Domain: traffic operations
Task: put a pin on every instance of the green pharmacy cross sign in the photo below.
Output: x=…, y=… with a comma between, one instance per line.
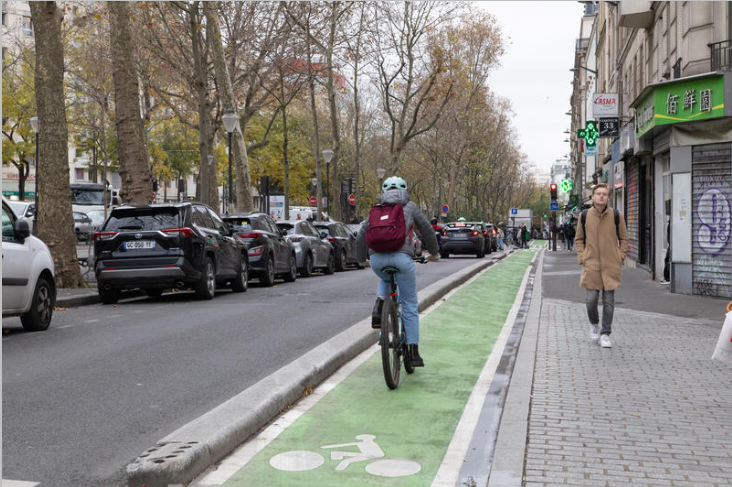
x=566, y=185
x=589, y=133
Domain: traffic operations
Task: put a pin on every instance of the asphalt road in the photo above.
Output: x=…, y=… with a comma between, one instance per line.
x=84, y=398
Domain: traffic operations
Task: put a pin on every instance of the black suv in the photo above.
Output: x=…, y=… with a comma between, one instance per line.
x=463, y=238
x=270, y=253
x=165, y=246
x=343, y=241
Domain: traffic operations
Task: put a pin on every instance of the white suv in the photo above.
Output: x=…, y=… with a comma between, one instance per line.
x=29, y=283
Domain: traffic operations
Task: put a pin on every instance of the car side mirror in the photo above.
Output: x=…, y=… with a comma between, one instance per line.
x=323, y=234
x=22, y=229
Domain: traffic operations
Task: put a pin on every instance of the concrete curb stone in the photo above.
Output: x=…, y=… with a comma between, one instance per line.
x=188, y=451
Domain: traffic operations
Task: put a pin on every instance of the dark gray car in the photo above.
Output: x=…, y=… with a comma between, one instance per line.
x=311, y=251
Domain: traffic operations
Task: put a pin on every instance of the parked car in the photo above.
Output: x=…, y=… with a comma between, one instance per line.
x=97, y=218
x=311, y=251
x=24, y=209
x=463, y=238
x=175, y=245
x=83, y=226
x=29, y=279
x=270, y=253
x=343, y=241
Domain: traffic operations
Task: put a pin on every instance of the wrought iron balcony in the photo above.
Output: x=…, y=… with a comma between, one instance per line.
x=721, y=53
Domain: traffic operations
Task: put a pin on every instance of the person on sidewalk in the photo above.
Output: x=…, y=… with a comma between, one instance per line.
x=602, y=243
x=569, y=234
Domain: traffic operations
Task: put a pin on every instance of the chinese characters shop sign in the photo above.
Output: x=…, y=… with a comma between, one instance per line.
x=684, y=101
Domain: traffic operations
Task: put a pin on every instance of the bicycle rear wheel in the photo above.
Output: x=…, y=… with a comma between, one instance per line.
x=390, y=343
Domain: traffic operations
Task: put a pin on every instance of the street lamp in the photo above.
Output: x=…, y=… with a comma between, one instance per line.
x=380, y=172
x=34, y=126
x=231, y=120
x=574, y=70
x=327, y=156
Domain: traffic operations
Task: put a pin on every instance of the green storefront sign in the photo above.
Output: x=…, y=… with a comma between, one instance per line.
x=688, y=100
x=28, y=194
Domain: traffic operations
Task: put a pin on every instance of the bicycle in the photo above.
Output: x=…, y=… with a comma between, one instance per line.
x=393, y=337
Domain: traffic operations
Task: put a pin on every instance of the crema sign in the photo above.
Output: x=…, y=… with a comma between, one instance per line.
x=605, y=105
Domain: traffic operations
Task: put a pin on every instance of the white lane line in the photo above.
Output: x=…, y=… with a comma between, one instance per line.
x=63, y=326
x=216, y=475
x=17, y=483
x=447, y=474
x=92, y=321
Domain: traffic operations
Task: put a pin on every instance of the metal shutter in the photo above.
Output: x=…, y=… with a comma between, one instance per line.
x=631, y=207
x=711, y=225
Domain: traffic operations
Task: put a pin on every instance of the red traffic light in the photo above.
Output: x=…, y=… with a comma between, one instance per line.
x=553, y=187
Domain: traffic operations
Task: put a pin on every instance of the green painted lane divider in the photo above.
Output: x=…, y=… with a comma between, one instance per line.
x=363, y=433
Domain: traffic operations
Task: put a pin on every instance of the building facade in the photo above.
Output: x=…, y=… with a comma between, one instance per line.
x=669, y=67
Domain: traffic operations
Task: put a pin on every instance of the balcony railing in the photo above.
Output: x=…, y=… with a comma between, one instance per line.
x=721, y=53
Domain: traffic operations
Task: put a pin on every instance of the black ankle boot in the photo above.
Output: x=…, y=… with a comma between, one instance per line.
x=376, y=313
x=414, y=359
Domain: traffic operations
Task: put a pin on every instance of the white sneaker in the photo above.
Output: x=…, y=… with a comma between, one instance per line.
x=594, y=332
x=605, y=341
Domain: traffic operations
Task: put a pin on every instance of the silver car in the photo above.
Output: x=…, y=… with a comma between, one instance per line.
x=83, y=227
x=311, y=251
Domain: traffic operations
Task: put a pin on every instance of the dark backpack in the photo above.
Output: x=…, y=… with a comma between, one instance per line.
x=387, y=229
x=583, y=219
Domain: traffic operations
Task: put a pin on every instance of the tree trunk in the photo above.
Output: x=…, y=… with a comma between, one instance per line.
x=335, y=184
x=316, y=135
x=213, y=183
x=204, y=107
x=55, y=223
x=23, y=171
x=244, y=200
x=134, y=167
x=286, y=162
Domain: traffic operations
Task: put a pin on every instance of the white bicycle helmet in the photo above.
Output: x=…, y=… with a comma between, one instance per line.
x=394, y=182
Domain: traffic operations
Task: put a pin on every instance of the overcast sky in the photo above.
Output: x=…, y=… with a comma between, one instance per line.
x=534, y=72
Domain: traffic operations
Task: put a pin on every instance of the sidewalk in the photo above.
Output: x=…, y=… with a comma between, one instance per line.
x=652, y=411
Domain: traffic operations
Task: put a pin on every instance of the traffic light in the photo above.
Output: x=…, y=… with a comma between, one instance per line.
x=155, y=185
x=553, y=192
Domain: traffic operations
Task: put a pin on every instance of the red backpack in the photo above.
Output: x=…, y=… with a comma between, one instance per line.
x=387, y=229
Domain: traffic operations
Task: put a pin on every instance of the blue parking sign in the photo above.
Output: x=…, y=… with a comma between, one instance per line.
x=554, y=206
x=514, y=211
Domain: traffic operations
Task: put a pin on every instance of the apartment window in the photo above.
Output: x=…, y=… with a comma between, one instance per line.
x=27, y=26
x=5, y=51
x=79, y=174
x=5, y=20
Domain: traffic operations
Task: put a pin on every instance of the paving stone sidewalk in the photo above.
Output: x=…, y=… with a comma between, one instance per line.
x=654, y=410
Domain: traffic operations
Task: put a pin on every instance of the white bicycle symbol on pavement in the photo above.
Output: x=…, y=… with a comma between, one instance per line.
x=302, y=460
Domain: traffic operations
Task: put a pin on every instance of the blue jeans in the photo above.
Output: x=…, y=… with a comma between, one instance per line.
x=406, y=280
x=500, y=243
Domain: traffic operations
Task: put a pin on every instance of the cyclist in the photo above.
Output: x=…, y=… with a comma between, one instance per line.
x=395, y=192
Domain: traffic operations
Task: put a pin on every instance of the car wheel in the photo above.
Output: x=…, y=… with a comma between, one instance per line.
x=108, y=296
x=330, y=269
x=241, y=282
x=444, y=255
x=480, y=253
x=39, y=316
x=307, y=270
x=267, y=277
x=206, y=287
x=341, y=264
x=291, y=275
x=154, y=292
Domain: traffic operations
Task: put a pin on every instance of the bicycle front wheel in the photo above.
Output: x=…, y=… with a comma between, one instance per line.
x=390, y=343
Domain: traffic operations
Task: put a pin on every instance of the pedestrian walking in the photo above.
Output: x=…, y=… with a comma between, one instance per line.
x=602, y=244
x=569, y=234
x=501, y=235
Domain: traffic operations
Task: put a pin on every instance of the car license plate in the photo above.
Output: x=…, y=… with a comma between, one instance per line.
x=459, y=236
x=139, y=244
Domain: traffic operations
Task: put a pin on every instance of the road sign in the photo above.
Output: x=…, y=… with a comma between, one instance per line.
x=352, y=199
x=313, y=201
x=554, y=206
x=514, y=211
x=445, y=209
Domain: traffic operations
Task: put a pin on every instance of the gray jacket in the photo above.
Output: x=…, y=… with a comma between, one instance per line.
x=412, y=217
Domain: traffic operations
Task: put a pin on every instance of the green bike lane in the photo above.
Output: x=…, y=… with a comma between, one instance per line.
x=360, y=432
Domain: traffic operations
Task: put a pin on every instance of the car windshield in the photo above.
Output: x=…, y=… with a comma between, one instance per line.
x=97, y=216
x=143, y=219
x=87, y=196
x=241, y=224
x=287, y=226
x=325, y=228
x=18, y=207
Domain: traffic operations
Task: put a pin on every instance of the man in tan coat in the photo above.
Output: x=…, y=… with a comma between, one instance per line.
x=601, y=248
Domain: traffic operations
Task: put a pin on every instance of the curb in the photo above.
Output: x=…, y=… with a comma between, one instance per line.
x=188, y=451
x=88, y=299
